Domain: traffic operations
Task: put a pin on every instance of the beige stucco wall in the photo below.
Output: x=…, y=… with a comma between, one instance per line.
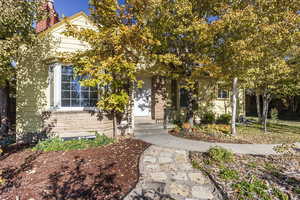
x=223, y=106
x=31, y=95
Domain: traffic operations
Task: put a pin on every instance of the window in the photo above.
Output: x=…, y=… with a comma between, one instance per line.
x=72, y=93
x=184, y=99
x=223, y=94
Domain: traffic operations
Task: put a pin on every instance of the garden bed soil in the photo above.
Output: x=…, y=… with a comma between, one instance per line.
x=104, y=173
x=280, y=172
x=205, y=137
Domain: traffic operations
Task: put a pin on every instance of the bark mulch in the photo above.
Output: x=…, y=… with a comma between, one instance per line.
x=276, y=172
x=108, y=172
x=205, y=137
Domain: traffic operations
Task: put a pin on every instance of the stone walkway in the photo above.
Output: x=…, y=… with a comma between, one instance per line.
x=167, y=174
x=153, y=133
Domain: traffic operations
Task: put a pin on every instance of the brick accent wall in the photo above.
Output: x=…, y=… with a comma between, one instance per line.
x=68, y=124
x=158, y=103
x=52, y=17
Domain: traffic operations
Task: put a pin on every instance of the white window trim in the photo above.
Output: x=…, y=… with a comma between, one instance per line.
x=57, y=93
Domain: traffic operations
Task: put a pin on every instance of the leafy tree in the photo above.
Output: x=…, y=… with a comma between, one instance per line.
x=116, y=51
x=184, y=42
x=253, y=38
x=270, y=73
x=16, y=33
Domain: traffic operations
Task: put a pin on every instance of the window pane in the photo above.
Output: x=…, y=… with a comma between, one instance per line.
x=66, y=95
x=85, y=95
x=75, y=95
x=66, y=103
x=75, y=103
x=85, y=103
x=84, y=88
x=66, y=78
x=67, y=70
x=223, y=94
x=93, y=102
x=75, y=86
x=65, y=86
x=94, y=95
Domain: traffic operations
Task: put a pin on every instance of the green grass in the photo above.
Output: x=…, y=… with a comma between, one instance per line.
x=279, y=132
x=57, y=144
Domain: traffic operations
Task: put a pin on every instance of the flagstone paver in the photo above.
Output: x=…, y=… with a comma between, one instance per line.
x=170, y=172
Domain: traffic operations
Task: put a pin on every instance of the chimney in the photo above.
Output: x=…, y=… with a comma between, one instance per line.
x=52, y=17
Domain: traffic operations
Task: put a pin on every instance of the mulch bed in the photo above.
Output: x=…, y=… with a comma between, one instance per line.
x=205, y=137
x=106, y=173
x=280, y=172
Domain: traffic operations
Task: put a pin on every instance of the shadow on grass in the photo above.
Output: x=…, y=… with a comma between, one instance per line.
x=74, y=184
x=11, y=175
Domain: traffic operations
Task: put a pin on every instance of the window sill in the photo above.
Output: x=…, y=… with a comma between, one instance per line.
x=74, y=109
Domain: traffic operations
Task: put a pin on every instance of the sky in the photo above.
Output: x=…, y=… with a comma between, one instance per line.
x=70, y=7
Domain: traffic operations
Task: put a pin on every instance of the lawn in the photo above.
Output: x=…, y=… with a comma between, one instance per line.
x=278, y=132
x=99, y=169
x=251, y=177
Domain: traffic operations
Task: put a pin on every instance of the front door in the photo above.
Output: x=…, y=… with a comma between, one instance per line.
x=142, y=99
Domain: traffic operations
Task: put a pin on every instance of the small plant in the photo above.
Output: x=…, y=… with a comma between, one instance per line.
x=224, y=119
x=2, y=180
x=229, y=174
x=279, y=194
x=196, y=165
x=57, y=144
x=252, y=189
x=219, y=154
x=208, y=118
x=274, y=114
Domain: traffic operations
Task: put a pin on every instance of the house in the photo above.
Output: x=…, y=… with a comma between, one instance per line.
x=52, y=100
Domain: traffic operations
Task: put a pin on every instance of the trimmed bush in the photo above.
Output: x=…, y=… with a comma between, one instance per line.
x=224, y=119
x=57, y=144
x=208, y=118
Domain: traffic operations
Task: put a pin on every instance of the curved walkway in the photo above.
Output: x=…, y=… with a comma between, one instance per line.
x=153, y=133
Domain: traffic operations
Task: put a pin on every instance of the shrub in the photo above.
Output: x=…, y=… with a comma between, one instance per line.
x=57, y=144
x=208, y=118
x=217, y=128
x=220, y=154
x=229, y=174
x=224, y=119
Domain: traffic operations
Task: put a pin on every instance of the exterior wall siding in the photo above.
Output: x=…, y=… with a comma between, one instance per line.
x=34, y=95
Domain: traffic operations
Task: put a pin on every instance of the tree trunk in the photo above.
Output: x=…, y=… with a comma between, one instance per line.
x=3, y=103
x=234, y=105
x=258, y=109
x=115, y=128
x=266, y=101
x=190, y=110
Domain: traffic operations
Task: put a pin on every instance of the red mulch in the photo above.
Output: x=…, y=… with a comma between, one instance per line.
x=106, y=173
x=209, y=138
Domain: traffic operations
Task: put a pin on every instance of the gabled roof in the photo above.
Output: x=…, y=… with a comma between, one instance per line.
x=65, y=20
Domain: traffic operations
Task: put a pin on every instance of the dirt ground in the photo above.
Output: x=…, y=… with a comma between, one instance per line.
x=108, y=172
